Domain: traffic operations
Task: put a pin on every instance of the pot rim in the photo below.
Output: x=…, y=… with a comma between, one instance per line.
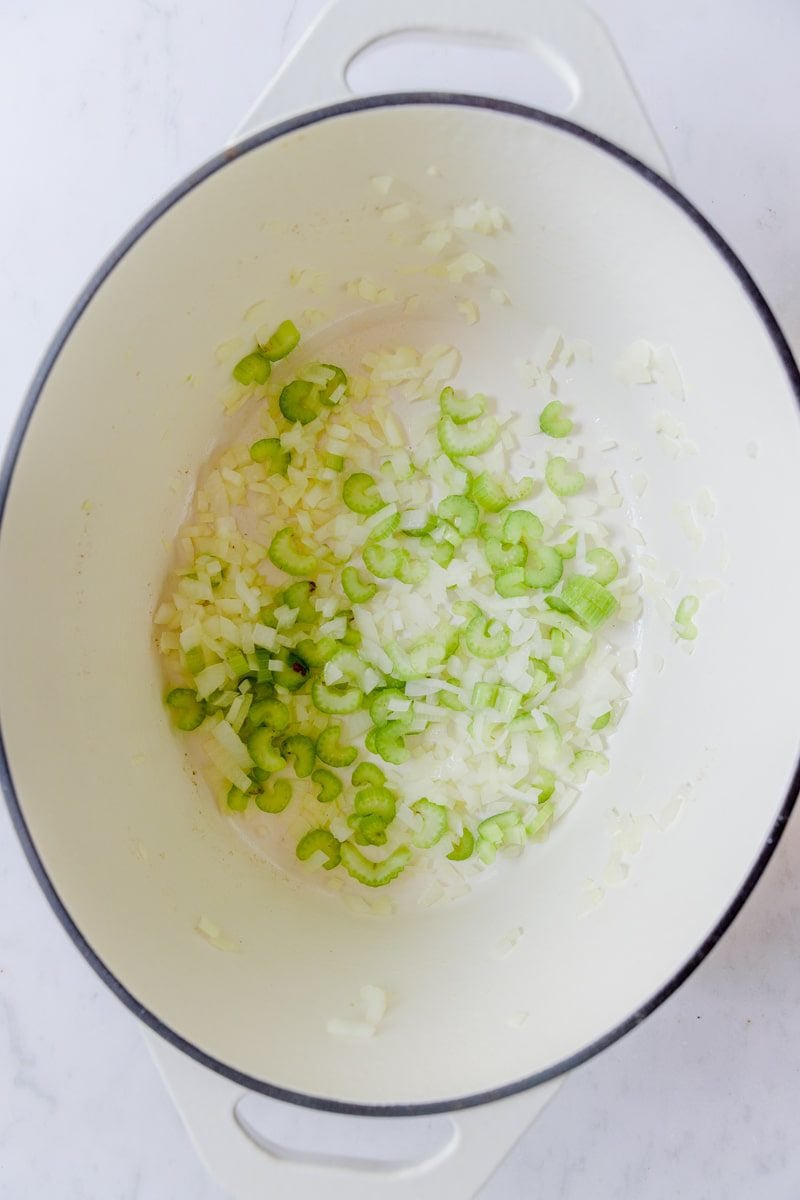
x=17, y=436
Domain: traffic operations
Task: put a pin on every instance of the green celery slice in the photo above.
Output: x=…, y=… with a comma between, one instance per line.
x=272, y=455
x=253, y=368
x=483, y=640
x=320, y=839
x=281, y=342
x=463, y=848
x=544, y=567
x=553, y=420
x=338, y=699
x=457, y=441
x=330, y=785
x=330, y=749
x=606, y=567
x=300, y=402
x=562, y=478
x=367, y=772
x=434, y=823
x=462, y=409
x=489, y=492
x=285, y=554
x=275, y=798
x=299, y=749
x=186, y=710
x=588, y=601
x=357, y=590
x=374, y=874
x=361, y=495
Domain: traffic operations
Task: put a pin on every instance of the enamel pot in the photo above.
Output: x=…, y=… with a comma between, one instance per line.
x=130, y=849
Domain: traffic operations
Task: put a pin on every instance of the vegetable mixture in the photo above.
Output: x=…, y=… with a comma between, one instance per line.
x=393, y=645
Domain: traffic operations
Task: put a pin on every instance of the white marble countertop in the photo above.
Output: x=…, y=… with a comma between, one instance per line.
x=102, y=107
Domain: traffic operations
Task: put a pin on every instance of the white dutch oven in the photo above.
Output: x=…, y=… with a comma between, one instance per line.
x=128, y=848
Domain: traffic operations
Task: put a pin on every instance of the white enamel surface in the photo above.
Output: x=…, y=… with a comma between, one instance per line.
x=135, y=849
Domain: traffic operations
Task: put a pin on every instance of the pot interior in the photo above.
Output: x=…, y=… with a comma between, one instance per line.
x=132, y=842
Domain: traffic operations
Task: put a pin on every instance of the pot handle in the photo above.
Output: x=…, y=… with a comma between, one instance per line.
x=250, y=1169
x=563, y=32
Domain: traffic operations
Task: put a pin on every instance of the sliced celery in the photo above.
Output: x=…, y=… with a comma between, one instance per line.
x=541, y=675
x=300, y=402
x=253, y=368
x=263, y=752
x=195, y=660
x=483, y=695
x=569, y=548
x=330, y=380
x=522, y=526
x=381, y=560
x=434, y=823
x=330, y=785
x=186, y=710
x=507, y=701
x=374, y=874
x=606, y=567
x=337, y=700
x=501, y=556
x=369, y=830
x=385, y=529
x=545, y=783
x=441, y=552
x=553, y=420
x=562, y=478
x=316, y=654
x=331, y=751
x=271, y=454
x=390, y=743
x=275, y=798
x=412, y=571
x=294, y=673
x=457, y=441
x=298, y=748
x=588, y=601
x=376, y=800
x=270, y=712
x=281, y=342
x=460, y=512
x=544, y=566
x=367, y=772
x=511, y=583
x=380, y=707
x=298, y=595
x=485, y=638
x=361, y=495
x=285, y=554
x=462, y=409
x=590, y=760
x=319, y=840
x=357, y=590
x=489, y=492
x=495, y=829
x=417, y=524
x=686, y=610
x=462, y=849
x=238, y=663
x=237, y=800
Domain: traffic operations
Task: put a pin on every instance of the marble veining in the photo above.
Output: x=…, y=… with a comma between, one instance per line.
x=102, y=108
